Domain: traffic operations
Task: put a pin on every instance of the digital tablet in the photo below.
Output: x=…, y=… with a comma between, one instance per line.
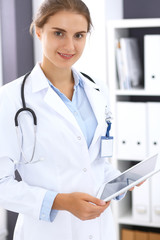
x=130, y=178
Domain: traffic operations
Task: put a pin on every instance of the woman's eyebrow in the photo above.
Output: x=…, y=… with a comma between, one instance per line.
x=81, y=32
x=62, y=30
x=59, y=29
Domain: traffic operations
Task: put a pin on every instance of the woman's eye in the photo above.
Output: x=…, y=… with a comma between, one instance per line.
x=58, y=34
x=79, y=35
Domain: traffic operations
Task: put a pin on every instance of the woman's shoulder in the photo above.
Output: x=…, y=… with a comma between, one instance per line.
x=10, y=91
x=11, y=86
x=94, y=82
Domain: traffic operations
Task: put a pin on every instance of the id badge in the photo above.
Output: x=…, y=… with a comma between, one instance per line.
x=106, y=146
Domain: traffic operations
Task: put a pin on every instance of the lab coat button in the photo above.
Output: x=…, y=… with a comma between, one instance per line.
x=90, y=237
x=79, y=137
x=84, y=169
x=75, y=113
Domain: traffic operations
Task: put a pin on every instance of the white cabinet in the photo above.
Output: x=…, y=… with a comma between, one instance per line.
x=131, y=130
x=141, y=210
x=153, y=112
x=136, y=126
x=152, y=57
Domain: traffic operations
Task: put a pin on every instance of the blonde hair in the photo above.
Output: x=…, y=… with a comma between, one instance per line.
x=50, y=7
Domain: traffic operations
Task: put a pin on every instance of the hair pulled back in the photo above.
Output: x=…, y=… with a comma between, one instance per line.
x=50, y=7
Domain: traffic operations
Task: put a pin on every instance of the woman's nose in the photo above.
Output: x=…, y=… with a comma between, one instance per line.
x=69, y=44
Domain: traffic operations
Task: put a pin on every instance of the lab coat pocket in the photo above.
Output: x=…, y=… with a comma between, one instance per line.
x=60, y=228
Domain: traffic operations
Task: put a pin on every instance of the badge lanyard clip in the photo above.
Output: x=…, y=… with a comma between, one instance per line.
x=108, y=128
x=107, y=142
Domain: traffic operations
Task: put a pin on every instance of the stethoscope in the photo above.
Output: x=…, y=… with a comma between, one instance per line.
x=26, y=109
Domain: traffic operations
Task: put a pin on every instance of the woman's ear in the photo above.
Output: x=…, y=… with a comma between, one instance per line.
x=38, y=32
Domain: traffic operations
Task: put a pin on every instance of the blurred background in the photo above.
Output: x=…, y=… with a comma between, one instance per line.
x=19, y=51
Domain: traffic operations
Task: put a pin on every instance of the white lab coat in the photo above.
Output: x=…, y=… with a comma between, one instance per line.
x=67, y=165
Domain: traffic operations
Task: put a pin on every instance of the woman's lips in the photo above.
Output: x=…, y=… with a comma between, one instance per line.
x=66, y=56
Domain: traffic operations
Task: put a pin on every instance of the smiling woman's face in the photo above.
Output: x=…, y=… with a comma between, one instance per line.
x=63, y=39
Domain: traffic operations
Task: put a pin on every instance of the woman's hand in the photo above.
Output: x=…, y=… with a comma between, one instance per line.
x=81, y=205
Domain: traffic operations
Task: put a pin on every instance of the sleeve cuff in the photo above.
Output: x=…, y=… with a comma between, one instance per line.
x=47, y=213
x=120, y=197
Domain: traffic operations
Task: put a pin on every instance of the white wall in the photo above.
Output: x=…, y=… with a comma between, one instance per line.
x=37, y=44
x=114, y=9
x=93, y=60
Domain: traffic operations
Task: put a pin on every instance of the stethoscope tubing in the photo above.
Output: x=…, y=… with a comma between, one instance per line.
x=24, y=108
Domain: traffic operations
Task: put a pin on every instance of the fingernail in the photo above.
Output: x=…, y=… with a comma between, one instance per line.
x=102, y=202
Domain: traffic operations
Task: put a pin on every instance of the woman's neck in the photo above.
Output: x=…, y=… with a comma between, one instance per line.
x=60, y=78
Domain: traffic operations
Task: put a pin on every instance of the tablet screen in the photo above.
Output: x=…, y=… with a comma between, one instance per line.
x=133, y=174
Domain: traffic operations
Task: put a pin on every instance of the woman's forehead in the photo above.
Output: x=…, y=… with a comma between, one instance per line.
x=68, y=20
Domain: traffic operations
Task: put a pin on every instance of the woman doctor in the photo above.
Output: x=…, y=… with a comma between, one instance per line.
x=61, y=169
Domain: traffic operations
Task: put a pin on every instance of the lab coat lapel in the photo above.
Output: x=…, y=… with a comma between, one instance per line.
x=39, y=83
x=98, y=106
x=55, y=102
